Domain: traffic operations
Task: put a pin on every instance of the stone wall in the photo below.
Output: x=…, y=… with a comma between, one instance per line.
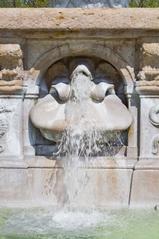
x=31, y=40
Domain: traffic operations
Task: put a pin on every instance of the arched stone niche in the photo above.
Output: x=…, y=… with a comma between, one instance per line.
x=100, y=70
x=88, y=49
x=99, y=58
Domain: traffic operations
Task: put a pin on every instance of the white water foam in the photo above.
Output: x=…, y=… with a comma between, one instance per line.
x=72, y=220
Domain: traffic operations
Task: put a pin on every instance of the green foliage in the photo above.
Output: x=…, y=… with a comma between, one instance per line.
x=24, y=3
x=45, y=3
x=144, y=3
x=37, y=3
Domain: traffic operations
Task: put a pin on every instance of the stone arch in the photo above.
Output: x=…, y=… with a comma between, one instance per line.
x=87, y=49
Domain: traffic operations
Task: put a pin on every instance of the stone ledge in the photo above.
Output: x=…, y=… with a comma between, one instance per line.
x=44, y=162
x=99, y=163
x=147, y=164
x=78, y=19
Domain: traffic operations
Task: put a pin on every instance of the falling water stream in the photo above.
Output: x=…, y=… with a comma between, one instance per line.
x=81, y=140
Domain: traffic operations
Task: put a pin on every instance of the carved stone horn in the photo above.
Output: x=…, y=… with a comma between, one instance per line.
x=154, y=115
x=62, y=90
x=101, y=90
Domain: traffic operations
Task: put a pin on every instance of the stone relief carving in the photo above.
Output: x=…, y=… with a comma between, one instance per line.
x=11, y=56
x=148, y=76
x=145, y=86
x=150, y=56
x=53, y=113
x=5, y=109
x=148, y=80
x=4, y=125
x=10, y=80
x=154, y=119
x=3, y=130
x=11, y=68
x=154, y=115
x=155, y=145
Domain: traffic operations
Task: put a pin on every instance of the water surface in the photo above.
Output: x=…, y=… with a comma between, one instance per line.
x=69, y=224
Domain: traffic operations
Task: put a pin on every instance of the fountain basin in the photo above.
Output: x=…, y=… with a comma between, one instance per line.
x=49, y=224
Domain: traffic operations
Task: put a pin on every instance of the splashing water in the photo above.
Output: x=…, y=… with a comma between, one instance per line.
x=81, y=140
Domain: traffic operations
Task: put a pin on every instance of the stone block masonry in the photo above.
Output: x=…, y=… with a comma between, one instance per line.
x=124, y=43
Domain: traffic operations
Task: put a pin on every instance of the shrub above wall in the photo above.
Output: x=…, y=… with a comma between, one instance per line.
x=48, y=3
x=144, y=3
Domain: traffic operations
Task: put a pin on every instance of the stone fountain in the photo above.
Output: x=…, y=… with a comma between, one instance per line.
x=61, y=108
x=96, y=70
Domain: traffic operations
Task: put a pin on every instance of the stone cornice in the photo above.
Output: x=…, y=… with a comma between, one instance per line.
x=90, y=21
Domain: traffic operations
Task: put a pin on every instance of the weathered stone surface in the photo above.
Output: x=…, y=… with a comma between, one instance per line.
x=10, y=50
x=93, y=163
x=106, y=188
x=10, y=68
x=38, y=51
x=103, y=188
x=147, y=130
x=148, y=87
x=147, y=164
x=150, y=55
x=10, y=81
x=12, y=116
x=145, y=186
x=14, y=185
x=10, y=56
x=149, y=58
x=79, y=19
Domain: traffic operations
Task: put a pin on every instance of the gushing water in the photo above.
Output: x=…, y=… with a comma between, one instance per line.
x=81, y=140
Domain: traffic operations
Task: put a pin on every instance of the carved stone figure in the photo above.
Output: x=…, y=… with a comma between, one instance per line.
x=55, y=113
